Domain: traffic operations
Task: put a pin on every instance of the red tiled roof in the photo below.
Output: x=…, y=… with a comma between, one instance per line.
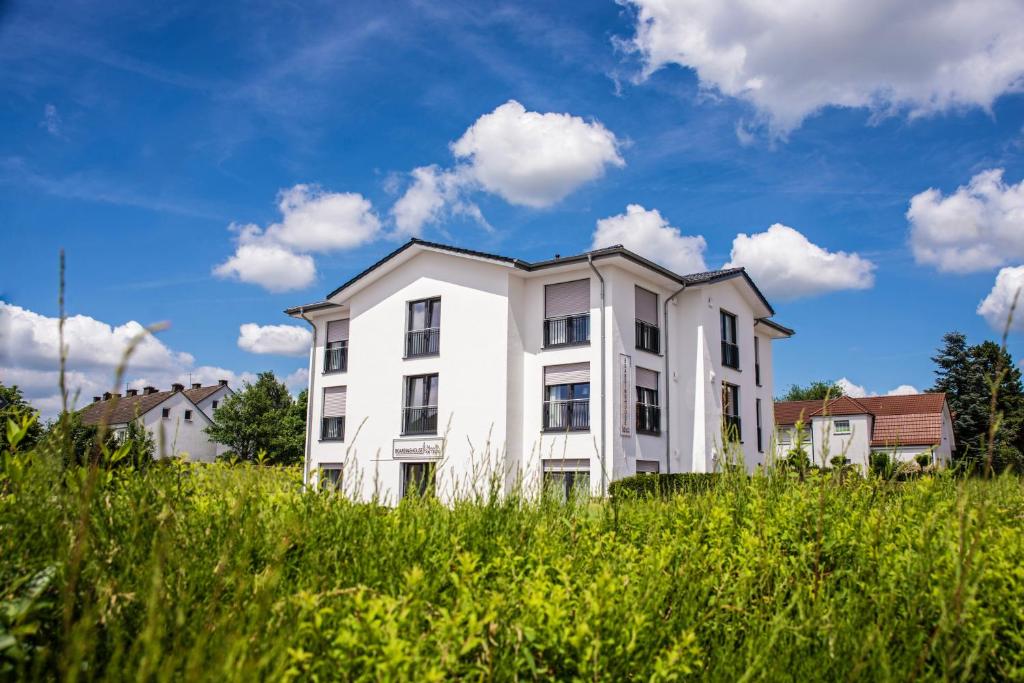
x=910, y=420
x=923, y=429
x=788, y=412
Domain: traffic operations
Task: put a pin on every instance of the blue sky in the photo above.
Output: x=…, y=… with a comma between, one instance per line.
x=135, y=135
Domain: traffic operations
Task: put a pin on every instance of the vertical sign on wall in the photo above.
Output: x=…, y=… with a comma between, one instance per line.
x=625, y=394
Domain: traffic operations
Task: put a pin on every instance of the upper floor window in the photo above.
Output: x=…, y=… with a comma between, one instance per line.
x=757, y=360
x=188, y=416
x=730, y=347
x=567, y=313
x=423, y=328
x=332, y=421
x=567, y=397
x=648, y=411
x=215, y=404
x=419, y=409
x=165, y=413
x=731, y=412
x=336, y=348
x=841, y=426
x=648, y=336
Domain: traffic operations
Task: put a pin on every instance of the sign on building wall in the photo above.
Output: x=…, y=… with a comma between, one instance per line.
x=625, y=394
x=417, y=449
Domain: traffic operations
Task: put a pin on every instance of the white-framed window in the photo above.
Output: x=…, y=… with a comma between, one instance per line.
x=785, y=437
x=188, y=416
x=841, y=426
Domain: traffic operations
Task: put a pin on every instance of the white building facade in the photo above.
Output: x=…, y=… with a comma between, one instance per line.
x=446, y=369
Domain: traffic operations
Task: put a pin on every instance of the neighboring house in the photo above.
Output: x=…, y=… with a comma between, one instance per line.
x=902, y=426
x=176, y=419
x=574, y=371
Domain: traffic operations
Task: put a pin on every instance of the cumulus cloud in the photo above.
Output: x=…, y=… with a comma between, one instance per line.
x=903, y=390
x=791, y=59
x=282, y=340
x=432, y=195
x=297, y=380
x=995, y=307
x=978, y=227
x=278, y=259
x=850, y=389
x=648, y=233
x=30, y=358
x=787, y=265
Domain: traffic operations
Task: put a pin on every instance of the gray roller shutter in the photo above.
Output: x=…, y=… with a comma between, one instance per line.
x=570, y=373
x=648, y=466
x=646, y=306
x=335, y=399
x=337, y=331
x=567, y=298
x=648, y=379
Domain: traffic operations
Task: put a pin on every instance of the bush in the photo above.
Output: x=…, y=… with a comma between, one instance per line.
x=662, y=485
x=923, y=459
x=880, y=464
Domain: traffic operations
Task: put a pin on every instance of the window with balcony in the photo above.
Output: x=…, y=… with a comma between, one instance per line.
x=760, y=443
x=567, y=313
x=423, y=328
x=648, y=336
x=332, y=423
x=567, y=398
x=648, y=411
x=336, y=347
x=419, y=410
x=730, y=346
x=419, y=479
x=731, y=426
x=757, y=360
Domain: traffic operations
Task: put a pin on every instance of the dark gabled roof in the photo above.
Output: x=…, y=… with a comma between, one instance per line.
x=119, y=410
x=776, y=326
x=197, y=395
x=708, y=277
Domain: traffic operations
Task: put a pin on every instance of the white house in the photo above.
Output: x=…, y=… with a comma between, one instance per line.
x=576, y=371
x=175, y=419
x=902, y=426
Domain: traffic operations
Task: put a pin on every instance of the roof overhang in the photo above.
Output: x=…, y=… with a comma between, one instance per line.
x=774, y=329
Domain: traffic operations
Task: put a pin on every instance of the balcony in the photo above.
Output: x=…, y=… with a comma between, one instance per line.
x=332, y=429
x=731, y=355
x=732, y=428
x=648, y=337
x=648, y=419
x=336, y=358
x=425, y=342
x=567, y=416
x=567, y=330
x=422, y=420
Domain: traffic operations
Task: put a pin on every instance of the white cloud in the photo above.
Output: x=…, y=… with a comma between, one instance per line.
x=850, y=389
x=297, y=380
x=648, y=233
x=52, y=122
x=284, y=340
x=786, y=265
x=433, y=195
x=535, y=159
x=978, y=227
x=270, y=266
x=903, y=390
x=312, y=220
x=790, y=59
x=995, y=308
x=30, y=358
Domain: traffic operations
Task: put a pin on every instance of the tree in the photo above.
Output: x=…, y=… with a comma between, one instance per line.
x=815, y=391
x=262, y=418
x=138, y=443
x=13, y=406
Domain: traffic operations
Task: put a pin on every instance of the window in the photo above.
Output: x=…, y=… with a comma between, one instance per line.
x=731, y=412
x=215, y=405
x=730, y=349
x=330, y=477
x=648, y=412
x=336, y=347
x=332, y=423
x=568, y=479
x=841, y=426
x=419, y=410
x=785, y=437
x=648, y=336
x=757, y=360
x=648, y=466
x=567, y=397
x=423, y=328
x=165, y=413
x=760, y=443
x=567, y=313
x=188, y=416
x=419, y=479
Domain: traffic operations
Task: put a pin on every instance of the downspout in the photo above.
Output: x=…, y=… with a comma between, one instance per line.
x=604, y=382
x=309, y=399
x=668, y=384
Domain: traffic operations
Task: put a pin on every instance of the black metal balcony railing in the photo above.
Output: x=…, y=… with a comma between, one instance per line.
x=732, y=428
x=648, y=419
x=569, y=329
x=648, y=337
x=421, y=420
x=730, y=355
x=332, y=429
x=422, y=342
x=567, y=416
x=336, y=358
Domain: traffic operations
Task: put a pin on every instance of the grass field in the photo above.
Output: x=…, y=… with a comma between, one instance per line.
x=233, y=573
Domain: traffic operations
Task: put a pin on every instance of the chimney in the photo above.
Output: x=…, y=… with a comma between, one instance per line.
x=197, y=385
x=133, y=392
x=146, y=391
x=115, y=395
x=177, y=387
x=95, y=399
x=222, y=382
x=107, y=395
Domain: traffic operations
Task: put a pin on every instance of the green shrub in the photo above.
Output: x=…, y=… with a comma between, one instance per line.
x=924, y=459
x=662, y=485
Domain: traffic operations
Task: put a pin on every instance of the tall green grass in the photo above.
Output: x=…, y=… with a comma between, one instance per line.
x=185, y=572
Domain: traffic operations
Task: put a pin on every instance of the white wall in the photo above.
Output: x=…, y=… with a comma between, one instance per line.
x=175, y=436
x=827, y=444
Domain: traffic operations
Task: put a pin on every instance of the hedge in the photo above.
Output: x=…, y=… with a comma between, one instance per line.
x=663, y=485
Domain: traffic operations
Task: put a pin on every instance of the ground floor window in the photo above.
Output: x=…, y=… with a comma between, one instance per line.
x=567, y=479
x=330, y=477
x=648, y=466
x=419, y=479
